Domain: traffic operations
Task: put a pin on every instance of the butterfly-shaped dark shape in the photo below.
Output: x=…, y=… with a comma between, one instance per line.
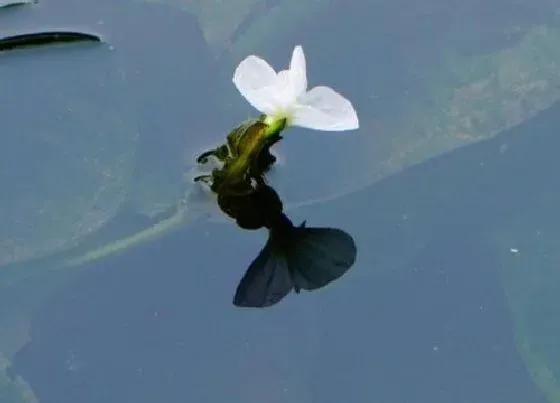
x=309, y=259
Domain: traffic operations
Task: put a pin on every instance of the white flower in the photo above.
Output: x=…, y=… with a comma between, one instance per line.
x=284, y=95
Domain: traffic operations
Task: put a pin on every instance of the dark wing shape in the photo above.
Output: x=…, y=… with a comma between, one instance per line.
x=267, y=280
x=319, y=256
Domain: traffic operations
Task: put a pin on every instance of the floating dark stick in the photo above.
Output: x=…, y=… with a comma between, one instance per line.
x=44, y=38
x=7, y=4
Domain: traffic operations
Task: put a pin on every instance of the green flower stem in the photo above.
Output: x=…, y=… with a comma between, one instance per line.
x=275, y=127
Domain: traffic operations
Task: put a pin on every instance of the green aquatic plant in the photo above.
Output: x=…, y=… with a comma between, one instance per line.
x=293, y=258
x=246, y=155
x=284, y=101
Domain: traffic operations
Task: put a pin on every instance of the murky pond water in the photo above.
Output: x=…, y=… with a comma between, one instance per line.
x=448, y=189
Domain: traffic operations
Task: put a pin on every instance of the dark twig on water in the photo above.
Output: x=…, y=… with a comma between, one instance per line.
x=8, y=4
x=45, y=38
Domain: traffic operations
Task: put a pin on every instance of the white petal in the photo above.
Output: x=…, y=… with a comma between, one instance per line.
x=256, y=79
x=264, y=100
x=253, y=73
x=275, y=98
x=284, y=92
x=323, y=108
x=298, y=71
